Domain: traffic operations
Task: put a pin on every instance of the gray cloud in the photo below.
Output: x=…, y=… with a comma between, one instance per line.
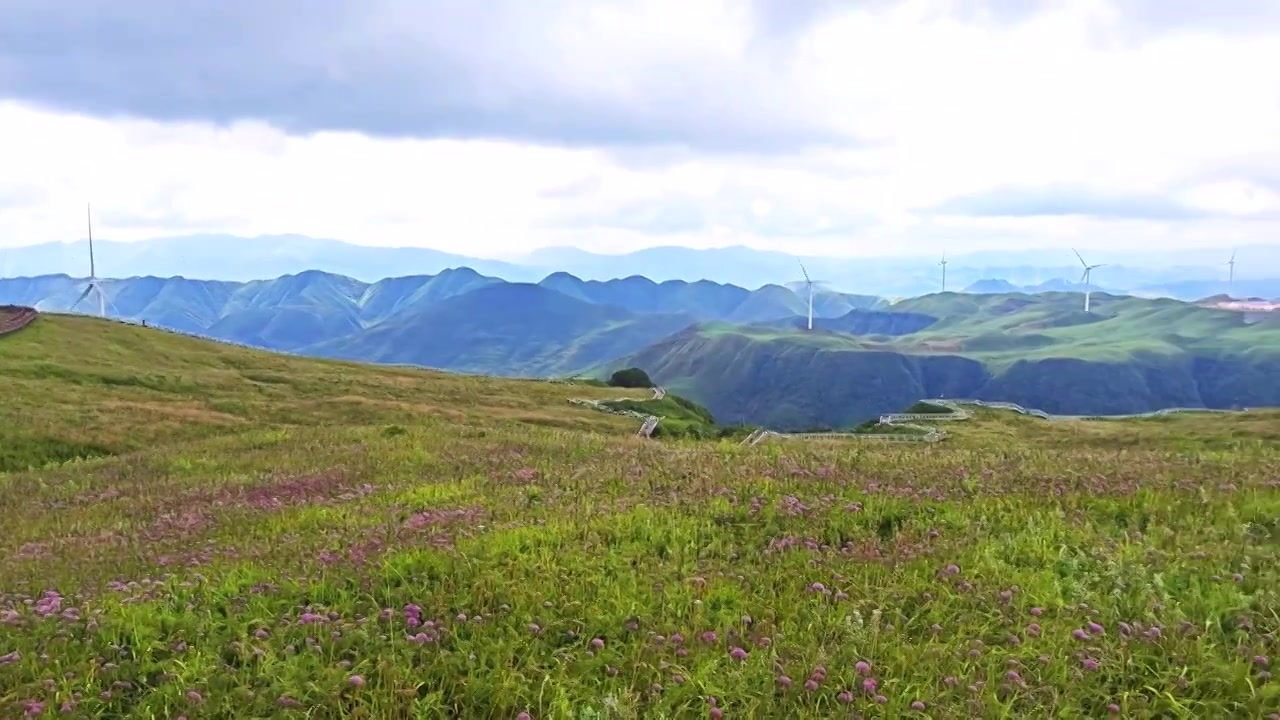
x=1052, y=201
x=427, y=68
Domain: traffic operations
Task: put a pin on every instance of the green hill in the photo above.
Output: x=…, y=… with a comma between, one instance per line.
x=213, y=532
x=83, y=387
x=1128, y=356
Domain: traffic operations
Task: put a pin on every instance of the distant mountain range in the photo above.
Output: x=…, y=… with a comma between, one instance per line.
x=743, y=353
x=456, y=320
x=1186, y=275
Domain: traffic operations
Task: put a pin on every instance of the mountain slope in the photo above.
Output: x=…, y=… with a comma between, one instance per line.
x=1130, y=356
x=318, y=308
x=506, y=329
x=77, y=386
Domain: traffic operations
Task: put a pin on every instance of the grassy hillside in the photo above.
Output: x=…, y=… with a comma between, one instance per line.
x=77, y=386
x=1003, y=329
x=277, y=537
x=681, y=418
x=1129, y=356
x=1192, y=433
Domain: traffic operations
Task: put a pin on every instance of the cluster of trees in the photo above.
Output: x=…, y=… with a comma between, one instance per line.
x=630, y=378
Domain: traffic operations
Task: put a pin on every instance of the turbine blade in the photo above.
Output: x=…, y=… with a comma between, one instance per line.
x=1085, y=276
x=806, y=273
x=1082, y=262
x=88, y=289
x=1233, y=255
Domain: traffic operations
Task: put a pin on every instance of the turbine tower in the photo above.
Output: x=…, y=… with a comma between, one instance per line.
x=809, y=285
x=1088, y=289
x=94, y=286
x=1231, y=272
x=944, y=270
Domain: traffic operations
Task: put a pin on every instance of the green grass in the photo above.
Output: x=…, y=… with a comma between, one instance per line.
x=250, y=547
x=76, y=386
x=873, y=427
x=681, y=418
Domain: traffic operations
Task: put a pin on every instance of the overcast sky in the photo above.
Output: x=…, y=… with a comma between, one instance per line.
x=491, y=127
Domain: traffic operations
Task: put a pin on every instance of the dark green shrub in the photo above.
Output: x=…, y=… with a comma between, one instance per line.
x=630, y=378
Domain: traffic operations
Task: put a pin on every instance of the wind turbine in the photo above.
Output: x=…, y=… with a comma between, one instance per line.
x=809, y=283
x=94, y=286
x=1231, y=272
x=1088, y=289
x=944, y=270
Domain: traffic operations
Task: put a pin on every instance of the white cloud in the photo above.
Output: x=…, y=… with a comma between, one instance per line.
x=950, y=105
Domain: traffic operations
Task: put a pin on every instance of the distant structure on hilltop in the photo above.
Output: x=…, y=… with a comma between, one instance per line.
x=1248, y=305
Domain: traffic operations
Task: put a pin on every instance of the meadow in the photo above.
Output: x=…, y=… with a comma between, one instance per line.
x=200, y=531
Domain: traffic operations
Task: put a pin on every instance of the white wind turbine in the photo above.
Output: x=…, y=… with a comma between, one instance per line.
x=94, y=285
x=1231, y=271
x=944, y=270
x=1088, y=289
x=809, y=283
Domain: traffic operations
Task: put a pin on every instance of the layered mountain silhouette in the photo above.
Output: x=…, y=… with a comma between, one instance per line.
x=1182, y=274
